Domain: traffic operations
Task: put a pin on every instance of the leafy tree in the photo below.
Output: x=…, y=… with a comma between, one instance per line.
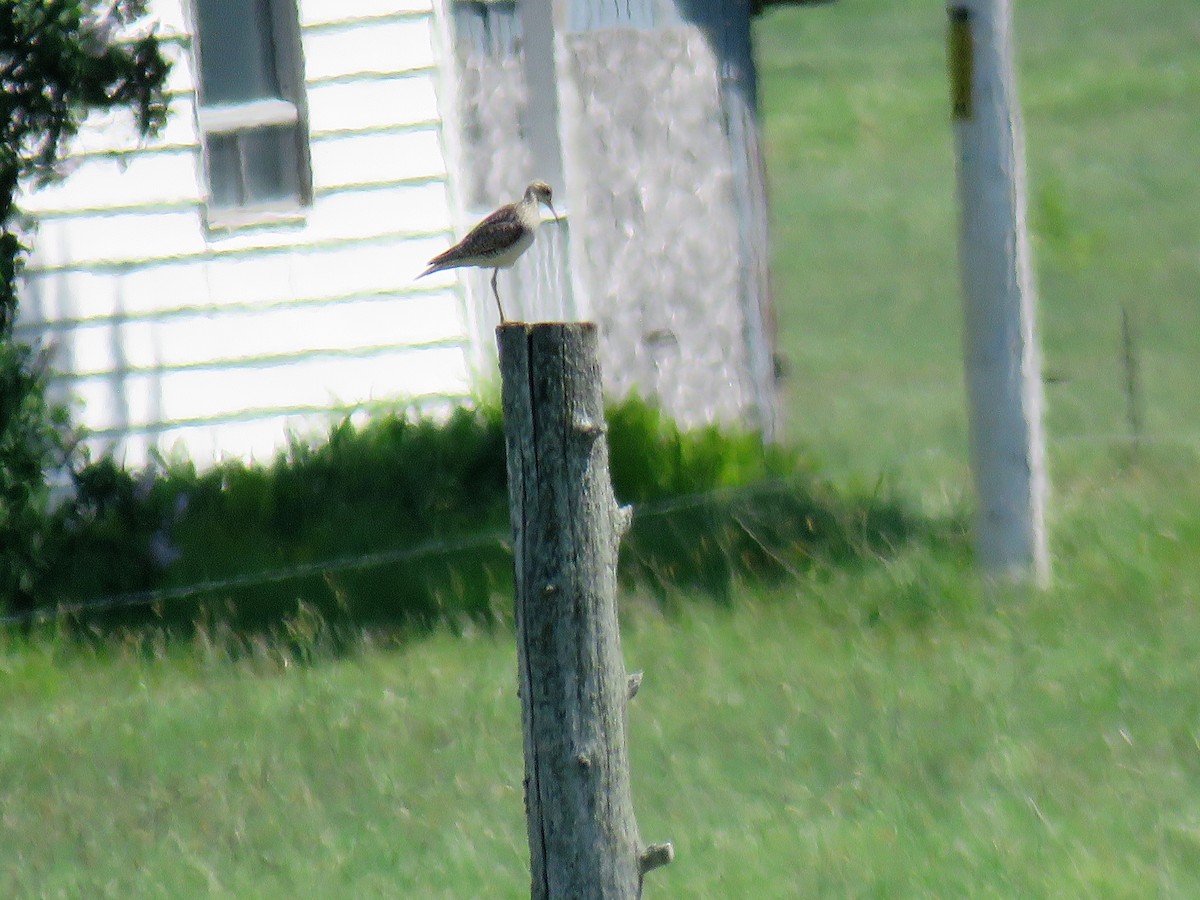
x=59, y=61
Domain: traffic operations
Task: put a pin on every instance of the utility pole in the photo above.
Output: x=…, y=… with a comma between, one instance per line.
x=1002, y=356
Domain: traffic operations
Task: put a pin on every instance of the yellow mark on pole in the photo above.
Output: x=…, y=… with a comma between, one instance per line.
x=962, y=61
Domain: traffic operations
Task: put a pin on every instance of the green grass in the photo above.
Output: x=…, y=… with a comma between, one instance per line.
x=895, y=732
x=859, y=152
x=891, y=729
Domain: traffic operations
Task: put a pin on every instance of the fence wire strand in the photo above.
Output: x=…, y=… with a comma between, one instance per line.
x=501, y=539
x=356, y=562
x=347, y=563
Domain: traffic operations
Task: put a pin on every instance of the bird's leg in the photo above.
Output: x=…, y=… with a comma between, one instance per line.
x=496, y=293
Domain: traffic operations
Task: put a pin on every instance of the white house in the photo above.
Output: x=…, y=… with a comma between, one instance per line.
x=249, y=272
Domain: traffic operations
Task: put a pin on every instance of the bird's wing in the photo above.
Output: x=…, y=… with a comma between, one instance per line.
x=490, y=237
x=494, y=234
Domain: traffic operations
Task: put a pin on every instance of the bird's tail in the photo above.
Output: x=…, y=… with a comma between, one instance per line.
x=434, y=266
x=444, y=260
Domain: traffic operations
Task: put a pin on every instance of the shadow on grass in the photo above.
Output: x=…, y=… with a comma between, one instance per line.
x=703, y=547
x=770, y=533
x=400, y=527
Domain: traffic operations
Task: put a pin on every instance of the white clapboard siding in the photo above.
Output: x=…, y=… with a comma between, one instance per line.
x=173, y=336
x=69, y=303
x=141, y=180
x=234, y=279
x=164, y=233
x=324, y=12
x=254, y=438
x=378, y=210
x=153, y=179
x=171, y=17
x=386, y=48
x=61, y=301
x=359, y=268
x=268, y=280
x=182, y=77
x=58, y=300
x=248, y=335
x=161, y=398
x=115, y=133
x=378, y=157
x=375, y=103
x=95, y=239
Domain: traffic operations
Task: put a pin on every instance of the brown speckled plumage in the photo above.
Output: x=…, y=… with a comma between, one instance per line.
x=499, y=240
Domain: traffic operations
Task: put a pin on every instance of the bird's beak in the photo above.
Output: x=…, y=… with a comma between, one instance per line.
x=557, y=217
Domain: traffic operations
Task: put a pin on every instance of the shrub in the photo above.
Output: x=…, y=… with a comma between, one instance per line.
x=33, y=440
x=406, y=522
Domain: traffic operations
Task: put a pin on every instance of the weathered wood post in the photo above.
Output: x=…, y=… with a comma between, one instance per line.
x=583, y=839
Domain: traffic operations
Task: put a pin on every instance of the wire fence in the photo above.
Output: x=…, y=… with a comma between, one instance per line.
x=332, y=565
x=368, y=560
x=499, y=538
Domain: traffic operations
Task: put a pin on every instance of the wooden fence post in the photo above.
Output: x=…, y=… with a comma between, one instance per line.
x=583, y=839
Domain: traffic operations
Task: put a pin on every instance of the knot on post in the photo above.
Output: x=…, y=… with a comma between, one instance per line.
x=654, y=857
x=634, y=684
x=623, y=520
x=587, y=428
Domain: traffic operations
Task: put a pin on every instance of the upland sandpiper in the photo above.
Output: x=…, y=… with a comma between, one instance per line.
x=497, y=241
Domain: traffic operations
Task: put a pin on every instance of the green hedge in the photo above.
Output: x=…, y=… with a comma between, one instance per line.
x=429, y=500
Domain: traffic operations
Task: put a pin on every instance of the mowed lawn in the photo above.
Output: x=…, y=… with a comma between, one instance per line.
x=893, y=732
x=896, y=730
x=861, y=167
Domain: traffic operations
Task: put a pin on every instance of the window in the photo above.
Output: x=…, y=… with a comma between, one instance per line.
x=251, y=112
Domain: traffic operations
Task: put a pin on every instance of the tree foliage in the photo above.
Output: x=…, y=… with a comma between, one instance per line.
x=59, y=61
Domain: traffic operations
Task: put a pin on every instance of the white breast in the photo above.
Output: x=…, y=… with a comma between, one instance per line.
x=509, y=256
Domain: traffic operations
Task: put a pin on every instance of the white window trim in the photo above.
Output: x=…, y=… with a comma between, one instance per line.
x=245, y=116
x=236, y=218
